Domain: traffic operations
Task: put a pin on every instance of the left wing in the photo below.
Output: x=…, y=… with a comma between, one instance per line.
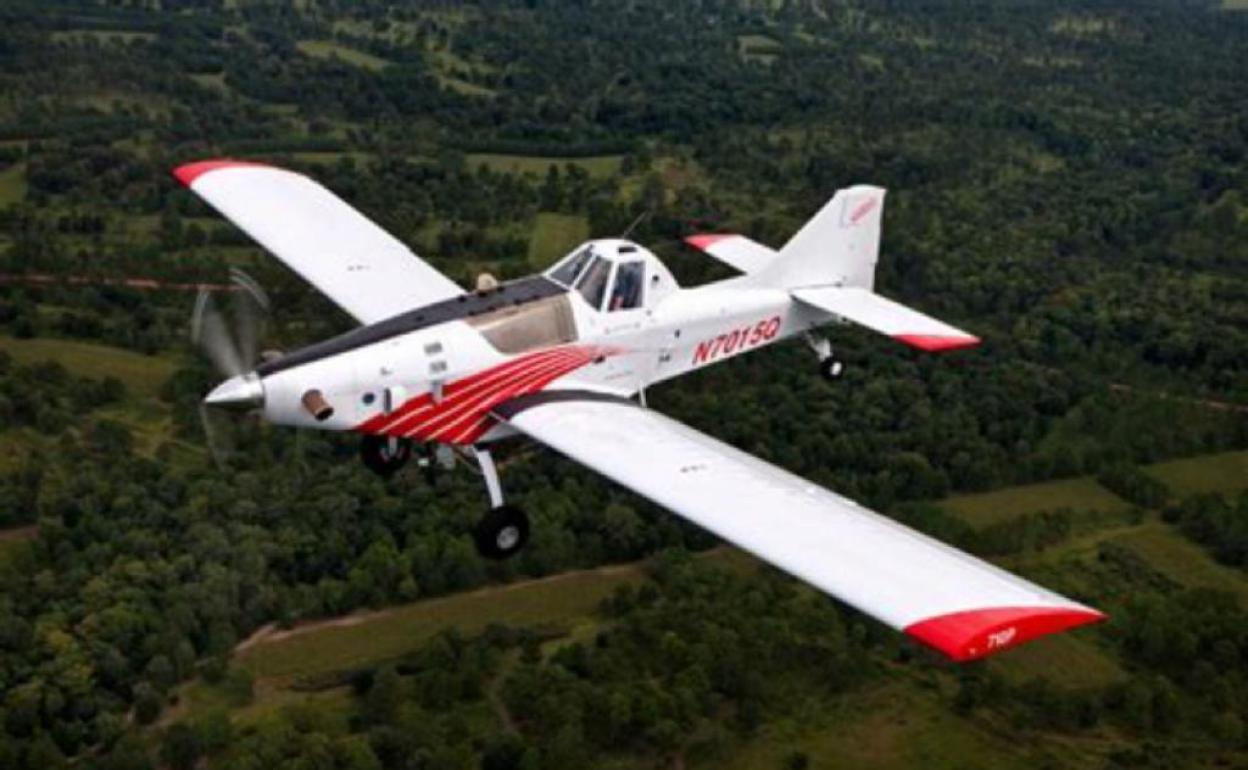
x=954, y=602
x=365, y=270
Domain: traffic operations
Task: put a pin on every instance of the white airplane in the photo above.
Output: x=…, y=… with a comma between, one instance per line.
x=565, y=358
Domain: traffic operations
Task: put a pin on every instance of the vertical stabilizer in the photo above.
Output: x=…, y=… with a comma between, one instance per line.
x=838, y=247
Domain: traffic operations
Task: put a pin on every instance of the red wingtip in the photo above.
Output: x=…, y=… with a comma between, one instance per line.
x=934, y=343
x=708, y=240
x=974, y=634
x=188, y=173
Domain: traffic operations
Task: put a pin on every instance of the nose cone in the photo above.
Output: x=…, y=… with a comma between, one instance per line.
x=243, y=390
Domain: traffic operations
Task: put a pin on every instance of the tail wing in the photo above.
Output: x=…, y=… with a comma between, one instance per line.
x=839, y=246
x=881, y=314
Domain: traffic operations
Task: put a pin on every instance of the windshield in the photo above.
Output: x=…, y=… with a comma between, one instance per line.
x=566, y=273
x=593, y=283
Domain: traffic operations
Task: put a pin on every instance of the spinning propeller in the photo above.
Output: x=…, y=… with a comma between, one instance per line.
x=230, y=341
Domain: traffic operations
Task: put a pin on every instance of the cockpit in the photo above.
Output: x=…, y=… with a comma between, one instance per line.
x=613, y=275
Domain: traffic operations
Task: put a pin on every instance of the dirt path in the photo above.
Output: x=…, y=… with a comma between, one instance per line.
x=130, y=282
x=19, y=533
x=1221, y=406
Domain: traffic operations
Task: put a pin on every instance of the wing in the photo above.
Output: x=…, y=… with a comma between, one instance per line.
x=736, y=250
x=365, y=270
x=960, y=605
x=866, y=308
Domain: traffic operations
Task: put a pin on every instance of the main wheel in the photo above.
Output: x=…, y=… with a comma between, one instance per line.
x=502, y=532
x=384, y=456
x=831, y=369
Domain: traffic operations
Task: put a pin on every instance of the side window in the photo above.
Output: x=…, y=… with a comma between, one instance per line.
x=593, y=283
x=567, y=272
x=629, y=281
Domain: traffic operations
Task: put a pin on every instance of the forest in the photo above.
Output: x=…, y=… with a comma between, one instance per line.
x=1068, y=181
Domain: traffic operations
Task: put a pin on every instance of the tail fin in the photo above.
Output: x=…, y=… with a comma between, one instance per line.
x=838, y=247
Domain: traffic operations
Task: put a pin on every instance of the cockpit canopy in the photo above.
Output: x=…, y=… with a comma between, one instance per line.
x=613, y=275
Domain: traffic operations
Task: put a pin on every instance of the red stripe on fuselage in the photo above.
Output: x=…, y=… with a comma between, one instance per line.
x=479, y=424
x=454, y=393
x=467, y=408
x=467, y=402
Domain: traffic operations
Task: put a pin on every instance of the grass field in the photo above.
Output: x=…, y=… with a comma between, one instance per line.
x=461, y=86
x=598, y=167
x=895, y=725
x=1181, y=560
x=759, y=48
x=13, y=184
x=101, y=35
x=1071, y=660
x=371, y=638
x=142, y=375
x=215, y=81
x=564, y=600
x=1080, y=494
x=554, y=235
x=324, y=49
x=1227, y=472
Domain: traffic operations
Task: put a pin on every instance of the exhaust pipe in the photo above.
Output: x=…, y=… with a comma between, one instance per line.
x=314, y=401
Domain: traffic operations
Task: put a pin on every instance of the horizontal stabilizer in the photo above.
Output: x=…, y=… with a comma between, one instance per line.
x=734, y=250
x=881, y=314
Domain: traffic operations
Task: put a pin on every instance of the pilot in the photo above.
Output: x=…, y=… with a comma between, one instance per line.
x=627, y=289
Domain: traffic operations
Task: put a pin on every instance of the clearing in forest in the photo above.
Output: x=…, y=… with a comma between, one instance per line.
x=1078, y=494
x=598, y=167
x=1186, y=563
x=1226, y=472
x=13, y=184
x=324, y=49
x=554, y=235
x=142, y=375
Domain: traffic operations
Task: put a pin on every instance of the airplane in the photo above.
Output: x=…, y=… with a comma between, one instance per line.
x=565, y=358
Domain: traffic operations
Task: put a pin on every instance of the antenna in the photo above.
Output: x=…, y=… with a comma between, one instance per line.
x=640, y=218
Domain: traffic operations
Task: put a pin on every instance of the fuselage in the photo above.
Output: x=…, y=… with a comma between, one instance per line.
x=436, y=374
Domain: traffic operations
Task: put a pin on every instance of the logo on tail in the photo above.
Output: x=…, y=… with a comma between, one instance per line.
x=859, y=212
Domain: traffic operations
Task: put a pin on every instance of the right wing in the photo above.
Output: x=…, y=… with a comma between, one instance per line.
x=950, y=600
x=365, y=270
x=881, y=314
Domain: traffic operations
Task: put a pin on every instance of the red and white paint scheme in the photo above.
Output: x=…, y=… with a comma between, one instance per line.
x=565, y=358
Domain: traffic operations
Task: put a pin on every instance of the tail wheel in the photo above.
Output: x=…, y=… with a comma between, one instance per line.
x=385, y=456
x=502, y=532
x=831, y=369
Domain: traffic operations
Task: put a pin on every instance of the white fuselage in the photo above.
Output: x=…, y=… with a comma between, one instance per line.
x=441, y=382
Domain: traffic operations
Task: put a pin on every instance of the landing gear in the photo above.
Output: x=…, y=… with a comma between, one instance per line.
x=830, y=367
x=502, y=532
x=384, y=455
x=504, y=529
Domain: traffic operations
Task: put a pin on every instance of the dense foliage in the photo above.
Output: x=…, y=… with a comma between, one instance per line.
x=1065, y=180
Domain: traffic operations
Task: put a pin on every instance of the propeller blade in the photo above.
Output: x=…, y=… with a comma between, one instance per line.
x=216, y=434
x=251, y=309
x=208, y=331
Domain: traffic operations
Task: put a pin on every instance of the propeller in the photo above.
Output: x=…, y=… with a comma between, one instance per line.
x=230, y=341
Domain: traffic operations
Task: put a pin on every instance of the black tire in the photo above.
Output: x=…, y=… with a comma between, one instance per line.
x=378, y=458
x=831, y=369
x=502, y=532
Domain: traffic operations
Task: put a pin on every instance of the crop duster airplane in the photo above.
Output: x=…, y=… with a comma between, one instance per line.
x=559, y=357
